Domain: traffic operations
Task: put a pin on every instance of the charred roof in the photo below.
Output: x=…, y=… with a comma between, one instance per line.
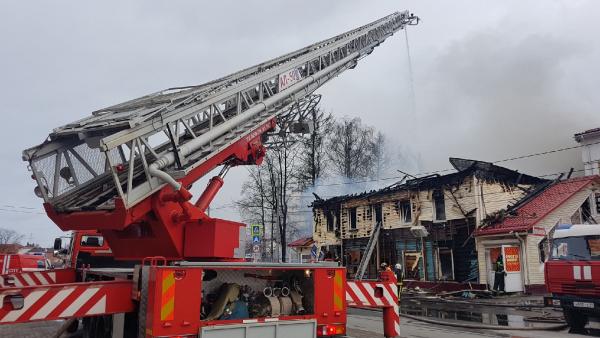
x=485, y=171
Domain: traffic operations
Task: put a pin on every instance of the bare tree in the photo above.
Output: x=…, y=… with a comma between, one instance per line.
x=268, y=192
x=350, y=146
x=8, y=236
x=312, y=162
x=380, y=153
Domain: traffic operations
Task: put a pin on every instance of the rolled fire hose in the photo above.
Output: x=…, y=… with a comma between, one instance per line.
x=297, y=301
x=275, y=306
x=286, y=306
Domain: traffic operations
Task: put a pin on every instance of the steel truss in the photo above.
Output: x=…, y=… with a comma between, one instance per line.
x=124, y=150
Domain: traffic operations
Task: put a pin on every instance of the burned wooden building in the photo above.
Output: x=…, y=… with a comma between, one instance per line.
x=427, y=222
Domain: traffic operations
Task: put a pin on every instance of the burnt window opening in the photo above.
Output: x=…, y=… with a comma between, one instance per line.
x=597, y=198
x=368, y=214
x=352, y=212
x=446, y=264
x=332, y=219
x=329, y=219
x=405, y=211
x=378, y=213
x=439, y=205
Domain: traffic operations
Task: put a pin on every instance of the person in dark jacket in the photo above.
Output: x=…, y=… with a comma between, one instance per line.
x=499, y=274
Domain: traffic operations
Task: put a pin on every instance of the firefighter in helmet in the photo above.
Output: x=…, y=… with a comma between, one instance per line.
x=499, y=274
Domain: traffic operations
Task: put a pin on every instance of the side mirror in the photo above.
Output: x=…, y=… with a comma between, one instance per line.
x=57, y=244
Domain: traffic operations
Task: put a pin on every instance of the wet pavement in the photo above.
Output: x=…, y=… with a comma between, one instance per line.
x=488, y=315
x=368, y=324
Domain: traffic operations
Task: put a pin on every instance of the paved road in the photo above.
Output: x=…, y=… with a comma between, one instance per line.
x=359, y=326
x=364, y=325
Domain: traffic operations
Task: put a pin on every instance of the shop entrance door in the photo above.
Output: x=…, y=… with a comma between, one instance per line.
x=512, y=265
x=511, y=254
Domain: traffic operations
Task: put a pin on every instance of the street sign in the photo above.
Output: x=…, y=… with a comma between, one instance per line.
x=256, y=248
x=255, y=239
x=256, y=230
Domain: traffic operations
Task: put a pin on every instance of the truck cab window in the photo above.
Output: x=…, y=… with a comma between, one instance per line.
x=94, y=241
x=576, y=248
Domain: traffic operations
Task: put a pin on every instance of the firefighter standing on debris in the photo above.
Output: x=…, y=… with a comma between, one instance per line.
x=499, y=274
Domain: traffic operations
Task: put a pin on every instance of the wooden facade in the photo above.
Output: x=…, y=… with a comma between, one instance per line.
x=448, y=206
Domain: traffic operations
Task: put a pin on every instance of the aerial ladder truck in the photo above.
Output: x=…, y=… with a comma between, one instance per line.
x=125, y=172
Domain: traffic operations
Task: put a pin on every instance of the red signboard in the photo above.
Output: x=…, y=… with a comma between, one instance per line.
x=512, y=259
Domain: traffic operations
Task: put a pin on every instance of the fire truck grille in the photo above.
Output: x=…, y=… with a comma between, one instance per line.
x=586, y=288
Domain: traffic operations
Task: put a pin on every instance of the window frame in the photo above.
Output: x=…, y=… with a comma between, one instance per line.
x=438, y=200
x=403, y=214
x=353, y=218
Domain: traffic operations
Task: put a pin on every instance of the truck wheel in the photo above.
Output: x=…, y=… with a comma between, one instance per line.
x=576, y=321
x=97, y=327
x=73, y=327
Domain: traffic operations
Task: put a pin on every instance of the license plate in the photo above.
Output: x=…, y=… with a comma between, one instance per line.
x=584, y=305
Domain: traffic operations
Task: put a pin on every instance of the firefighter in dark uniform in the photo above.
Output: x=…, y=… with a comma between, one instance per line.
x=499, y=274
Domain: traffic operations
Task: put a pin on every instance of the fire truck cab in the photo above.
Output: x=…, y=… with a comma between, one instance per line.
x=573, y=273
x=87, y=248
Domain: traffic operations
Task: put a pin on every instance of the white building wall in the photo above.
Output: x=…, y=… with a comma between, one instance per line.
x=590, y=152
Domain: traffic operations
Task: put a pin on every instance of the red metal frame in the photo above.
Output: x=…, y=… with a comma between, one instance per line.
x=60, y=301
x=157, y=225
x=175, y=296
x=33, y=278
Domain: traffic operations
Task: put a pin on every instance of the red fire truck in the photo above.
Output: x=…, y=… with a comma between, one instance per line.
x=122, y=177
x=573, y=273
x=11, y=263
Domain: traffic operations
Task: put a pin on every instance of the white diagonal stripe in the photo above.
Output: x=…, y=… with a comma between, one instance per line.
x=52, y=303
x=29, y=300
x=52, y=276
x=358, y=293
x=16, y=281
x=41, y=278
x=587, y=272
x=387, y=295
x=349, y=298
x=394, y=288
x=371, y=291
x=99, y=307
x=78, y=303
x=576, y=272
x=28, y=279
x=7, y=263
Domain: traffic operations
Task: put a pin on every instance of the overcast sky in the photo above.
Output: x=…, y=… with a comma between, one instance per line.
x=492, y=79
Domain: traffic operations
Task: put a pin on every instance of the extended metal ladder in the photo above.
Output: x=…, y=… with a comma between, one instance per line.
x=131, y=150
x=364, y=261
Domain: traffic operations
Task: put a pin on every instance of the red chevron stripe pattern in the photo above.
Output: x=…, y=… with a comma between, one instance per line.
x=37, y=278
x=374, y=294
x=64, y=301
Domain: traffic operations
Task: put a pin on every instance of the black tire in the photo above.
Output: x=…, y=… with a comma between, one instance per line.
x=97, y=327
x=576, y=321
x=73, y=327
